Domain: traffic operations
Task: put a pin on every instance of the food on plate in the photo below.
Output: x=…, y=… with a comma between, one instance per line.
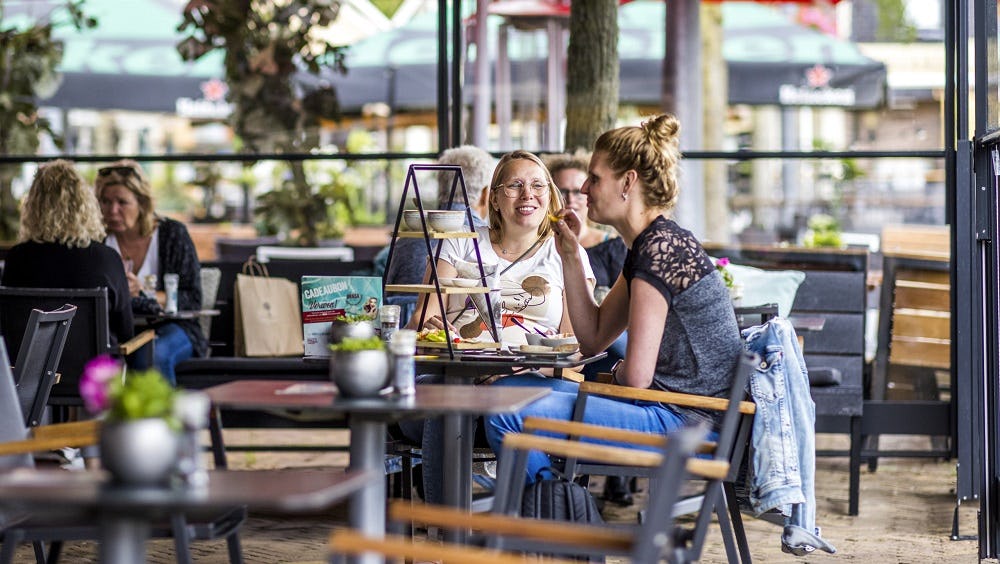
x=435, y=336
x=568, y=347
x=535, y=349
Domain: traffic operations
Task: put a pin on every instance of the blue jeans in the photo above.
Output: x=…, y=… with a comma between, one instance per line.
x=648, y=417
x=171, y=346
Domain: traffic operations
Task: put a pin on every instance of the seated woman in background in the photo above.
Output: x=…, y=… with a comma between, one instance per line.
x=519, y=245
x=674, y=303
x=151, y=246
x=60, y=244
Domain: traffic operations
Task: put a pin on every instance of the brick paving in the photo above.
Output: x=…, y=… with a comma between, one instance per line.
x=906, y=515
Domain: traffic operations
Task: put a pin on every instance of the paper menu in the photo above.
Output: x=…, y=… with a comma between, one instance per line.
x=325, y=298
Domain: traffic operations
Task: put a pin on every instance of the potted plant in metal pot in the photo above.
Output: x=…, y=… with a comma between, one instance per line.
x=359, y=366
x=357, y=326
x=140, y=429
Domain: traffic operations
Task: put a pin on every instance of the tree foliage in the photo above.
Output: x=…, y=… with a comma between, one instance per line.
x=29, y=58
x=267, y=45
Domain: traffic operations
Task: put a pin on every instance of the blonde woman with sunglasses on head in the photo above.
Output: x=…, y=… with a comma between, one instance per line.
x=151, y=246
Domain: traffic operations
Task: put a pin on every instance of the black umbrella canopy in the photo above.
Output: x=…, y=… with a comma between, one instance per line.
x=129, y=61
x=770, y=59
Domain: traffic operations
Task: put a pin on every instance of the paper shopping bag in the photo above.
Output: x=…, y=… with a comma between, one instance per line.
x=268, y=321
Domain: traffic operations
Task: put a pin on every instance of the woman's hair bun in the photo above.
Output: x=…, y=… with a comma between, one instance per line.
x=662, y=130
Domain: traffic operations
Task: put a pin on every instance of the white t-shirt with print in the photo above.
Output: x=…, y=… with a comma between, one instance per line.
x=531, y=291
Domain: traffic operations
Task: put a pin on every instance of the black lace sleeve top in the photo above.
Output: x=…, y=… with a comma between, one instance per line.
x=700, y=342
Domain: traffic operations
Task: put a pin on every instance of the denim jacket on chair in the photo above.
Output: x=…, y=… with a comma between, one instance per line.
x=783, y=445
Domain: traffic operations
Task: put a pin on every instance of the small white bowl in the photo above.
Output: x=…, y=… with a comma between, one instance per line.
x=446, y=221
x=412, y=220
x=533, y=338
x=557, y=340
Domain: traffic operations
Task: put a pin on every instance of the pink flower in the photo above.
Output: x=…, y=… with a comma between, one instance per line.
x=722, y=262
x=95, y=383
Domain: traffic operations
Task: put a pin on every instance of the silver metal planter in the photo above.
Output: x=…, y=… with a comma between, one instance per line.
x=139, y=452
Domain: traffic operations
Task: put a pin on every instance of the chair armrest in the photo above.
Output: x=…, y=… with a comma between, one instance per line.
x=347, y=541
x=579, y=429
x=136, y=342
x=702, y=468
x=565, y=533
x=585, y=451
x=49, y=437
x=674, y=398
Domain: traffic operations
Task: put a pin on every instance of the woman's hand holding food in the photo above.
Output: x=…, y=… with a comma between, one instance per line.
x=566, y=225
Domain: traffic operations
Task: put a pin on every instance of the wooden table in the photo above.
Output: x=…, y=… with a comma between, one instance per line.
x=367, y=420
x=125, y=514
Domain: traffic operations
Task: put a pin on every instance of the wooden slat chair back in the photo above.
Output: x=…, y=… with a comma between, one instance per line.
x=35, y=371
x=729, y=448
x=921, y=319
x=504, y=532
x=930, y=242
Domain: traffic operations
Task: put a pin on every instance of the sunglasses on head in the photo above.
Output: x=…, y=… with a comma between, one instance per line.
x=123, y=170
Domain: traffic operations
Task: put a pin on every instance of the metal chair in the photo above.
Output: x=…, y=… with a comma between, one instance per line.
x=37, y=360
x=730, y=447
x=89, y=335
x=504, y=533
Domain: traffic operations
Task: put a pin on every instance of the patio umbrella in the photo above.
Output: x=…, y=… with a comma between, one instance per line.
x=771, y=60
x=130, y=60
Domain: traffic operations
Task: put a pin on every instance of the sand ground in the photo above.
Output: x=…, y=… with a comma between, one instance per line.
x=906, y=513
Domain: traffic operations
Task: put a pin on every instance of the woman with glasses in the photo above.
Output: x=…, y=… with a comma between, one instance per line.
x=519, y=248
x=60, y=244
x=671, y=299
x=151, y=246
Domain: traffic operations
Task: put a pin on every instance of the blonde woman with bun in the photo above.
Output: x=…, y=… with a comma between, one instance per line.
x=682, y=332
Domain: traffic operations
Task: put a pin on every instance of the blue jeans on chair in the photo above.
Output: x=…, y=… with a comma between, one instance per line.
x=648, y=417
x=171, y=346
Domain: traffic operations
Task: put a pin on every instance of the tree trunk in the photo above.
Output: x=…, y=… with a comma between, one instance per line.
x=592, y=72
x=715, y=99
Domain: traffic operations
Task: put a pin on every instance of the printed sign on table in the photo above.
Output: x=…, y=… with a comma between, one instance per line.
x=325, y=298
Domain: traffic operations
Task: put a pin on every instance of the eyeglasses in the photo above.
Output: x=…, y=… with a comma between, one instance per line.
x=566, y=194
x=123, y=170
x=514, y=189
